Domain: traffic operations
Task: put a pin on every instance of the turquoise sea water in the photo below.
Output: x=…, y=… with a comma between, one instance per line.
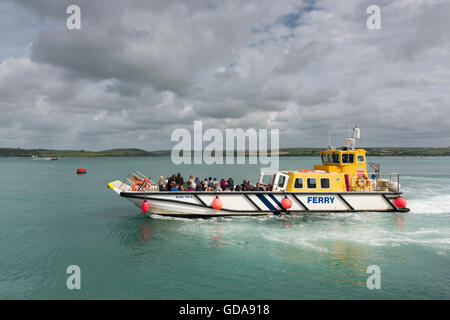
x=51, y=218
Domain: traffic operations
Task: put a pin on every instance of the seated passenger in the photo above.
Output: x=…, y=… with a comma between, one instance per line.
x=230, y=183
x=161, y=184
x=200, y=186
x=173, y=187
x=171, y=180
x=179, y=179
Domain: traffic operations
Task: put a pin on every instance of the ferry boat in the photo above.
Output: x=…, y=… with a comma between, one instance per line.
x=341, y=183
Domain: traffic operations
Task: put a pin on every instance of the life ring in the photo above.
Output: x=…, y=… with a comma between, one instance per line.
x=146, y=185
x=363, y=183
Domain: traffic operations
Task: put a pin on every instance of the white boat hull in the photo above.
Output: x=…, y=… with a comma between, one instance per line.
x=198, y=204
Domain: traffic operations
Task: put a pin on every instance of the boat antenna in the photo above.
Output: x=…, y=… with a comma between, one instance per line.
x=351, y=142
x=356, y=135
x=329, y=138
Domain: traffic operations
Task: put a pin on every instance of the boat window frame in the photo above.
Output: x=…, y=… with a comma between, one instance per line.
x=324, y=158
x=295, y=183
x=363, y=157
x=266, y=174
x=276, y=182
x=279, y=178
x=339, y=157
x=348, y=154
x=329, y=183
x=307, y=182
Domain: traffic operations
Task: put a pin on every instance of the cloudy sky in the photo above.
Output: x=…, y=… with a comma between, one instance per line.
x=139, y=69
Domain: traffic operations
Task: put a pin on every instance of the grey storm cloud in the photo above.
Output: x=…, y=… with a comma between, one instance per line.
x=139, y=69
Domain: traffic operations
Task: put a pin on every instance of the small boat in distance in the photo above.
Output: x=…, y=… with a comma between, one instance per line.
x=341, y=183
x=37, y=157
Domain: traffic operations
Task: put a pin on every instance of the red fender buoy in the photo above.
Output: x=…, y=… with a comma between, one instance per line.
x=81, y=170
x=145, y=206
x=400, y=202
x=286, y=203
x=217, y=204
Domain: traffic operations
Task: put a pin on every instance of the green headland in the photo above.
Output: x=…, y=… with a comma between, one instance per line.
x=285, y=152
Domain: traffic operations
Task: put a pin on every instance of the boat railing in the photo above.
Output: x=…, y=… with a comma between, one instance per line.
x=377, y=181
x=135, y=177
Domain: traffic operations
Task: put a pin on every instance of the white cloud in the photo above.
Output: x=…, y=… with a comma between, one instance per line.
x=138, y=69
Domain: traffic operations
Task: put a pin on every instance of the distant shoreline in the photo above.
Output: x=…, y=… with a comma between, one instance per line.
x=284, y=152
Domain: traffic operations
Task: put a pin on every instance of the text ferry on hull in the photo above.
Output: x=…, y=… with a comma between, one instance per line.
x=341, y=183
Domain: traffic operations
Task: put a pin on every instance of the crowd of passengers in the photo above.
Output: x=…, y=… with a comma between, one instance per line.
x=177, y=183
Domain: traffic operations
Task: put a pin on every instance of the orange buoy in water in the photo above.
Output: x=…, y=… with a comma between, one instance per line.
x=81, y=170
x=217, y=204
x=145, y=206
x=286, y=203
x=400, y=202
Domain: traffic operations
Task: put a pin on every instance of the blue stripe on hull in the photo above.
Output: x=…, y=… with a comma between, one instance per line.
x=276, y=201
x=266, y=202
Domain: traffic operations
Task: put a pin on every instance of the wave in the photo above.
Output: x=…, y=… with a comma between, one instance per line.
x=432, y=205
x=378, y=238
x=300, y=242
x=427, y=195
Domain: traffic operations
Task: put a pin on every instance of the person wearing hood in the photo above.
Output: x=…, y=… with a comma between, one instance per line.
x=161, y=183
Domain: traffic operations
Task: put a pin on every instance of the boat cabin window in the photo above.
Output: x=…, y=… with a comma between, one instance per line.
x=329, y=158
x=312, y=183
x=298, y=184
x=348, y=158
x=281, y=181
x=325, y=183
x=324, y=158
x=267, y=179
x=360, y=158
x=336, y=158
